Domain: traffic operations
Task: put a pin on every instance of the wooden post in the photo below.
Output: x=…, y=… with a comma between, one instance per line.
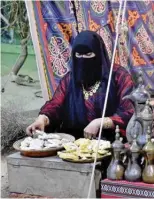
x=35, y=39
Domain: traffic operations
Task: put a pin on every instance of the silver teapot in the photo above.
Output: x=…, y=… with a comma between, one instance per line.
x=138, y=97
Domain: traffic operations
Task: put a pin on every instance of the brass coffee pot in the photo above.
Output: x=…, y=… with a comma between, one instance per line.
x=133, y=171
x=115, y=170
x=148, y=149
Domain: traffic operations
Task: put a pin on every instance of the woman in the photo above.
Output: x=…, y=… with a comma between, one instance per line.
x=77, y=104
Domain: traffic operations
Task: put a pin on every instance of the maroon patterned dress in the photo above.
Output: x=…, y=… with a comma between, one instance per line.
x=124, y=110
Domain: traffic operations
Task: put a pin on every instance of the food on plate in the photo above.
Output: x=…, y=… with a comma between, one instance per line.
x=48, y=144
x=26, y=142
x=103, y=144
x=69, y=147
x=85, y=149
x=67, y=155
x=53, y=136
x=84, y=145
x=82, y=142
x=38, y=133
x=102, y=152
x=42, y=140
x=64, y=141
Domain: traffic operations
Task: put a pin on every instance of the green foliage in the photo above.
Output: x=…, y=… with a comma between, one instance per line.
x=16, y=14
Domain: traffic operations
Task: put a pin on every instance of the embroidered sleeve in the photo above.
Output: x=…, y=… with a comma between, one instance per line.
x=125, y=108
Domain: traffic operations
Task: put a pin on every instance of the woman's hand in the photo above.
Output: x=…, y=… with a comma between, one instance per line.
x=92, y=128
x=39, y=124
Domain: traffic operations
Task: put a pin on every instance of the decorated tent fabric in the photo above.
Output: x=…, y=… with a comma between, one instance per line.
x=58, y=22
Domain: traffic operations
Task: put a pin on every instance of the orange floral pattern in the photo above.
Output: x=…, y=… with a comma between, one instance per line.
x=117, y=59
x=66, y=30
x=92, y=24
x=137, y=60
x=144, y=17
x=132, y=18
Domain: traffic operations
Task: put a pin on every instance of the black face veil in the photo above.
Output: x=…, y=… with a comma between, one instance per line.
x=86, y=71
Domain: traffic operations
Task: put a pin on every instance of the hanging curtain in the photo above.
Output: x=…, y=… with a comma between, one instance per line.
x=58, y=22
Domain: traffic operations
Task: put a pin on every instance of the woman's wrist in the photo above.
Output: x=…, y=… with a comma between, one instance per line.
x=108, y=123
x=44, y=118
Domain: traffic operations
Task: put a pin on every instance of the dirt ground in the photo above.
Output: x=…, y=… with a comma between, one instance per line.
x=25, y=96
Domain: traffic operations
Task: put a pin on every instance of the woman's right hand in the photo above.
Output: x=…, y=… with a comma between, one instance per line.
x=39, y=124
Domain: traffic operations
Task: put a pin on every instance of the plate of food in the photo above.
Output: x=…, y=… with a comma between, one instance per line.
x=84, y=150
x=42, y=144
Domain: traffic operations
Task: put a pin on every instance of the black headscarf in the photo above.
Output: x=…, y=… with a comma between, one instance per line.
x=87, y=71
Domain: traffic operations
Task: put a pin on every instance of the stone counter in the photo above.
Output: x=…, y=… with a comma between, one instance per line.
x=50, y=177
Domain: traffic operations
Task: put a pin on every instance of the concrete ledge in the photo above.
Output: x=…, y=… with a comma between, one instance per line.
x=50, y=177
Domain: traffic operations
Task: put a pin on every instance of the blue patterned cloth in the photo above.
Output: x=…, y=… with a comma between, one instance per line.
x=58, y=22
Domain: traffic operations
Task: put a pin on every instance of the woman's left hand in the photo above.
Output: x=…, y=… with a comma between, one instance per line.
x=92, y=129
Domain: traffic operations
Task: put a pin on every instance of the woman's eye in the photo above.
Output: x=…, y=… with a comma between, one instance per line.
x=78, y=55
x=89, y=55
